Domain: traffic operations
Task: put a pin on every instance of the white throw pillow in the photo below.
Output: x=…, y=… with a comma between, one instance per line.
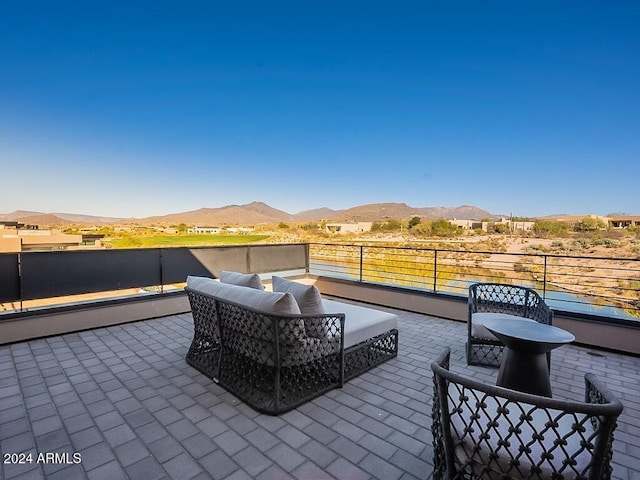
x=307, y=296
x=251, y=280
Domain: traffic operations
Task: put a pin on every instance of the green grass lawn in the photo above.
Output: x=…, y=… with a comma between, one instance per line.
x=183, y=240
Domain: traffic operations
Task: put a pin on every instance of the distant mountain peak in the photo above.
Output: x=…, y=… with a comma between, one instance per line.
x=258, y=212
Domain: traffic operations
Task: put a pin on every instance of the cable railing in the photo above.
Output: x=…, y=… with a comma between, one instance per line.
x=608, y=287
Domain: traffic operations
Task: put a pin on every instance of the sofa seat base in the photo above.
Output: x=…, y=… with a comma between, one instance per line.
x=370, y=353
x=272, y=390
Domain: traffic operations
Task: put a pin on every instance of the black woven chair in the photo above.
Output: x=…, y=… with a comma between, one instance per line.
x=487, y=432
x=483, y=348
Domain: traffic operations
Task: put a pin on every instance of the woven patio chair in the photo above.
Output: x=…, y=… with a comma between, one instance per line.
x=491, y=300
x=483, y=431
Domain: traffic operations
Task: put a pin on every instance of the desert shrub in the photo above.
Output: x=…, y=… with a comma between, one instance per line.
x=589, y=224
x=535, y=247
x=520, y=267
x=421, y=229
x=549, y=228
x=443, y=228
x=500, y=228
x=582, y=243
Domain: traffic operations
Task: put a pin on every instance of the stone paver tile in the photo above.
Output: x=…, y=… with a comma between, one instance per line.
x=72, y=472
x=182, y=466
x=378, y=446
x=320, y=454
x=231, y=442
x=146, y=469
x=286, y=457
x=212, y=426
x=380, y=468
x=22, y=471
x=239, y=475
x=252, y=461
x=274, y=472
x=199, y=445
x=411, y=464
x=320, y=433
x=218, y=464
x=150, y=432
x=168, y=415
x=292, y=436
x=348, y=449
x=119, y=435
x=262, y=439
x=96, y=455
x=86, y=438
x=109, y=471
x=342, y=469
x=165, y=448
x=131, y=452
x=310, y=470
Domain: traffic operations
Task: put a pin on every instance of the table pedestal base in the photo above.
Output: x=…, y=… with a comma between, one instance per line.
x=525, y=371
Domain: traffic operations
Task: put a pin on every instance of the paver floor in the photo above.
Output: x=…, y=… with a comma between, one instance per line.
x=121, y=402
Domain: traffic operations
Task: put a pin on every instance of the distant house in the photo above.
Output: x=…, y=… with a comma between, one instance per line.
x=466, y=224
x=239, y=230
x=17, y=237
x=356, y=227
x=513, y=226
x=204, y=230
x=624, y=221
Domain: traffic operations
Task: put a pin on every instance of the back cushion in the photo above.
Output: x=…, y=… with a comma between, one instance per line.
x=251, y=280
x=307, y=296
x=268, y=302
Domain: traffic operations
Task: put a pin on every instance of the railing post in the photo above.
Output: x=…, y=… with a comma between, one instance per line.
x=361, y=255
x=161, y=261
x=20, y=280
x=544, y=279
x=435, y=270
x=307, y=253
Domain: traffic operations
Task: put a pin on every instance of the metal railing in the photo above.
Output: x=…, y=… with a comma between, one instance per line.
x=40, y=279
x=608, y=287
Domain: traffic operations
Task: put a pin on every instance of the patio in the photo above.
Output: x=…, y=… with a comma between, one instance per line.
x=126, y=401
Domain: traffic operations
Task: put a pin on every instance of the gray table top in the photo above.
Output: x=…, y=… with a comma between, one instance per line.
x=527, y=331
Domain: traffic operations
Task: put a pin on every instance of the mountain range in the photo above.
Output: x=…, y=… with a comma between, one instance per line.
x=260, y=213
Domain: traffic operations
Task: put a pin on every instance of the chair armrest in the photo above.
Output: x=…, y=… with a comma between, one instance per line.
x=597, y=393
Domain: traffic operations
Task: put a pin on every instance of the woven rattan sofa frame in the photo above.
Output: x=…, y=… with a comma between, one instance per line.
x=501, y=298
x=217, y=352
x=600, y=408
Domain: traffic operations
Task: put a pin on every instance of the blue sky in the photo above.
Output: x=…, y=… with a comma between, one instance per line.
x=143, y=108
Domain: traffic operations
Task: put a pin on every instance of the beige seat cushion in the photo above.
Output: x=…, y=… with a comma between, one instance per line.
x=478, y=329
x=361, y=323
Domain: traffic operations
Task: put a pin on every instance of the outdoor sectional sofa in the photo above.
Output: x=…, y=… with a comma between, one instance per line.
x=278, y=350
